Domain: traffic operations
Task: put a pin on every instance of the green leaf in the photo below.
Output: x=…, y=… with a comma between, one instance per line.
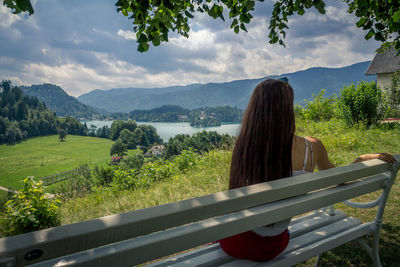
x=370, y=34
x=379, y=37
x=142, y=38
x=379, y=26
x=156, y=41
x=236, y=29
x=361, y=22
x=244, y=18
x=243, y=27
x=396, y=16
x=234, y=23
x=214, y=11
x=168, y=4
x=320, y=6
x=188, y=14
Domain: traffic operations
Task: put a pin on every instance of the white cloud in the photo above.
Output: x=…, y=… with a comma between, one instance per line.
x=7, y=18
x=197, y=40
x=127, y=35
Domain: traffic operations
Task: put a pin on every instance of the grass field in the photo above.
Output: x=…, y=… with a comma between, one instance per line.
x=25, y=159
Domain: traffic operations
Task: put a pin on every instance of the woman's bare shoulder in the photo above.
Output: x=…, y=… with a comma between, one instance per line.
x=314, y=141
x=321, y=155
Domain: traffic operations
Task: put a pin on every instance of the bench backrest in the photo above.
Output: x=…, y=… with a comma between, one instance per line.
x=196, y=221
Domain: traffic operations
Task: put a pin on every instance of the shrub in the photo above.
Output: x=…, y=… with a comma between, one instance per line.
x=29, y=210
x=363, y=103
x=118, y=148
x=103, y=175
x=320, y=107
x=125, y=179
x=132, y=162
x=187, y=160
x=156, y=170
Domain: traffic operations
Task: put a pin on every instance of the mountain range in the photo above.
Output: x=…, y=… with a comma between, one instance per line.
x=234, y=93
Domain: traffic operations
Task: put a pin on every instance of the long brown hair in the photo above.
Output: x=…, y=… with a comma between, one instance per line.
x=263, y=149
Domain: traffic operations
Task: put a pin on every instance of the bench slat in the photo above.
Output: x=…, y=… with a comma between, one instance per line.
x=187, y=256
x=314, y=249
x=153, y=246
x=315, y=222
x=322, y=233
x=85, y=235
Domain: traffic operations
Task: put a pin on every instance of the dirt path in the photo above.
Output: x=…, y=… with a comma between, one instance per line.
x=6, y=189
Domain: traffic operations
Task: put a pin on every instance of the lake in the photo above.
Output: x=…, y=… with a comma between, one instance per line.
x=170, y=129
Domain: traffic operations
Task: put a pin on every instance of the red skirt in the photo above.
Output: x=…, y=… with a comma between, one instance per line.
x=251, y=246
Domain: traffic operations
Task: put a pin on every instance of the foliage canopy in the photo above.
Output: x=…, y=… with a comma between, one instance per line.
x=153, y=20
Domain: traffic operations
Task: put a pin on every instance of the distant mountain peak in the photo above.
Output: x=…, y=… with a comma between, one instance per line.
x=232, y=93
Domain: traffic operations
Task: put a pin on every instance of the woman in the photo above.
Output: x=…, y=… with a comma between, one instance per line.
x=266, y=149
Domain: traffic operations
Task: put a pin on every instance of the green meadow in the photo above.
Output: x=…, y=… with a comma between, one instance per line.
x=44, y=156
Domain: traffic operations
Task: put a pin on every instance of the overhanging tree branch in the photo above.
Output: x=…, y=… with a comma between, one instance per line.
x=153, y=20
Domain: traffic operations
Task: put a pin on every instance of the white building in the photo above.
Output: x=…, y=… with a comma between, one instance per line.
x=384, y=65
x=157, y=150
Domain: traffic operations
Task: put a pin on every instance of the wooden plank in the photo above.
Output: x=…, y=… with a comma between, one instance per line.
x=156, y=245
x=85, y=235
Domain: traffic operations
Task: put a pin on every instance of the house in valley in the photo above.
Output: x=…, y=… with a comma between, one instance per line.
x=155, y=151
x=384, y=65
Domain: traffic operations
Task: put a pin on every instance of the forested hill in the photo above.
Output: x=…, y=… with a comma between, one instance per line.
x=59, y=101
x=235, y=93
x=23, y=116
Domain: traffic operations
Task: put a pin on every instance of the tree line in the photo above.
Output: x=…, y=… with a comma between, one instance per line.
x=206, y=116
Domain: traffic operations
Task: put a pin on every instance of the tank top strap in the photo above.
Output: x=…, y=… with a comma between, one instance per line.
x=305, y=154
x=308, y=146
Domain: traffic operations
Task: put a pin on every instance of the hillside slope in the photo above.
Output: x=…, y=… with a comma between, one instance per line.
x=59, y=101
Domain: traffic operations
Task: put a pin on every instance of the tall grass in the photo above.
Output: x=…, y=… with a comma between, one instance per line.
x=210, y=175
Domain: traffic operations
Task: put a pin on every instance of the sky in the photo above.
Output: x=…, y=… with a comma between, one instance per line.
x=86, y=45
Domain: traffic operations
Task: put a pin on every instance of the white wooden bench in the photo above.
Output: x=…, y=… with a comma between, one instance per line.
x=141, y=236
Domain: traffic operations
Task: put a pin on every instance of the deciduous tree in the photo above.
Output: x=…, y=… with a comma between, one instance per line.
x=118, y=148
x=62, y=134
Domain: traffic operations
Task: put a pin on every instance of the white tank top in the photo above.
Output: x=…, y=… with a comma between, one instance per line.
x=278, y=227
